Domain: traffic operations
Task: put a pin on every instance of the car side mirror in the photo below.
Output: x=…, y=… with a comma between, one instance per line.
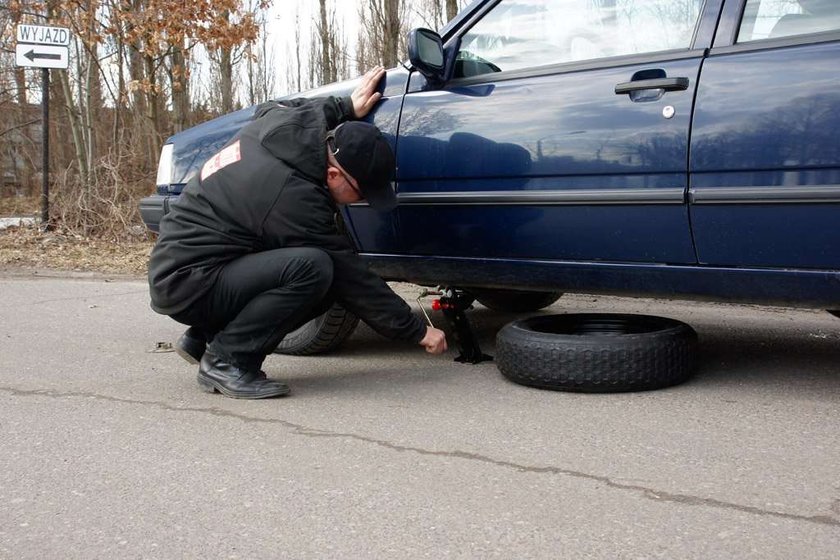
x=425, y=52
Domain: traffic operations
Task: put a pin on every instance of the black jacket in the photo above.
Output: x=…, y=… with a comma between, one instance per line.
x=264, y=191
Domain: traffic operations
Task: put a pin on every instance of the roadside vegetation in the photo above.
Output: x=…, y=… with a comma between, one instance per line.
x=28, y=248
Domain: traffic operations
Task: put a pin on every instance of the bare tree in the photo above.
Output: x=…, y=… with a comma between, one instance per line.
x=298, y=67
x=224, y=58
x=17, y=116
x=178, y=73
x=434, y=14
x=294, y=68
x=127, y=58
x=81, y=87
x=261, y=76
x=382, y=33
x=431, y=13
x=327, y=70
x=328, y=48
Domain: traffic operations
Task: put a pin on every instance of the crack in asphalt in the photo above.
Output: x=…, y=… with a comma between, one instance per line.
x=298, y=429
x=71, y=298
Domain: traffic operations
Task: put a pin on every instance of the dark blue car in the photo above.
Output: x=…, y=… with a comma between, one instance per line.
x=674, y=148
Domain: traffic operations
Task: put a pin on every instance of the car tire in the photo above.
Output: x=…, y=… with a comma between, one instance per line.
x=597, y=353
x=515, y=301
x=322, y=334
x=835, y=312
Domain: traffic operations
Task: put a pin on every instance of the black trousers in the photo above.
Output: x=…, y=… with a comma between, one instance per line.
x=258, y=299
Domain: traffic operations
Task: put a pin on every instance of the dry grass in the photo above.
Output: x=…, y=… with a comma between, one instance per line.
x=98, y=225
x=26, y=247
x=20, y=206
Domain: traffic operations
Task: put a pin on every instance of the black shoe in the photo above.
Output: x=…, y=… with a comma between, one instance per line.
x=231, y=381
x=191, y=345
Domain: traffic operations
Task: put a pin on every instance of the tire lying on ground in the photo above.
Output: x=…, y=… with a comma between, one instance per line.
x=597, y=353
x=322, y=334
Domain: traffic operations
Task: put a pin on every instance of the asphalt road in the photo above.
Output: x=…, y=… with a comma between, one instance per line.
x=109, y=450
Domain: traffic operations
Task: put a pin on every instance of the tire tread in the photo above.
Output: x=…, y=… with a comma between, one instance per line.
x=597, y=363
x=320, y=335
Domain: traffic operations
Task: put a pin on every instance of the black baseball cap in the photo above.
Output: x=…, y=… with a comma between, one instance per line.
x=362, y=150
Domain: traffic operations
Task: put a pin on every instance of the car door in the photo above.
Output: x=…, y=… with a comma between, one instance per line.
x=563, y=133
x=765, y=148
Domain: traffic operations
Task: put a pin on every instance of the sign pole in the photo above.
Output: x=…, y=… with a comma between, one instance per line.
x=44, y=47
x=45, y=140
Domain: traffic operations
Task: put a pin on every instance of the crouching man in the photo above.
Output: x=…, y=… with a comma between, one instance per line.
x=251, y=250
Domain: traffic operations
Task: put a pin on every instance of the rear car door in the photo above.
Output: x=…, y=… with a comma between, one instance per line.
x=563, y=135
x=765, y=148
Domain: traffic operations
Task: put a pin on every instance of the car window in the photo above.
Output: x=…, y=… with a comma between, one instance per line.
x=524, y=33
x=769, y=19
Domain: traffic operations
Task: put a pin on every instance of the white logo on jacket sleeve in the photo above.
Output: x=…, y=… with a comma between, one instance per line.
x=229, y=155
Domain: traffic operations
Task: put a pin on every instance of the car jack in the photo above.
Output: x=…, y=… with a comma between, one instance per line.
x=454, y=305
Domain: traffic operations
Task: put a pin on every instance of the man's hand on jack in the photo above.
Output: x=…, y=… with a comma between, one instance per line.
x=365, y=95
x=434, y=341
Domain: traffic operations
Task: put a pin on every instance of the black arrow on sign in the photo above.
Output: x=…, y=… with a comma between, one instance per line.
x=32, y=55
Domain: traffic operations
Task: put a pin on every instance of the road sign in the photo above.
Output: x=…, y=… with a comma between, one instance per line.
x=43, y=47
x=43, y=35
x=41, y=56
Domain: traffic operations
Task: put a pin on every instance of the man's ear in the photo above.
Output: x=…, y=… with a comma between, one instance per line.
x=333, y=174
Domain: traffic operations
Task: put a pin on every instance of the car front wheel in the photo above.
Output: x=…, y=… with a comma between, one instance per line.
x=322, y=334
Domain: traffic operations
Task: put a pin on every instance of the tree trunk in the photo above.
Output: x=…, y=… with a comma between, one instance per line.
x=152, y=113
x=20, y=86
x=226, y=79
x=381, y=33
x=338, y=46
x=93, y=103
x=264, y=69
x=75, y=126
x=451, y=9
x=60, y=152
x=253, y=76
x=136, y=70
x=92, y=108
x=431, y=12
x=390, y=56
x=119, y=107
x=22, y=169
x=19, y=72
x=326, y=72
x=179, y=84
x=297, y=50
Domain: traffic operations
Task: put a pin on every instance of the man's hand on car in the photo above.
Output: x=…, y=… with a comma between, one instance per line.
x=434, y=341
x=365, y=95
